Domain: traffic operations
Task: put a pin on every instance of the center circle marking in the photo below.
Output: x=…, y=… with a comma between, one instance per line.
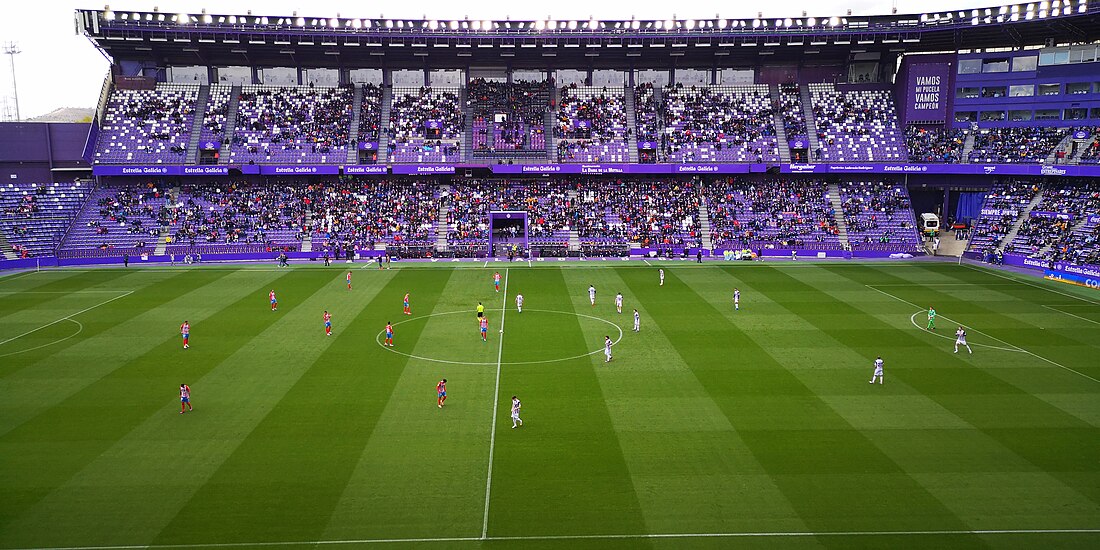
x=378, y=339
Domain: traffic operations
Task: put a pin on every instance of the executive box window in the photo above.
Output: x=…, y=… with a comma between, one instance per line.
x=993, y=91
x=993, y=116
x=1028, y=63
x=1075, y=114
x=1047, y=114
x=1095, y=113
x=995, y=66
x=970, y=66
x=1049, y=89
x=966, y=116
x=967, y=93
x=1021, y=90
x=1019, y=116
x=1077, y=88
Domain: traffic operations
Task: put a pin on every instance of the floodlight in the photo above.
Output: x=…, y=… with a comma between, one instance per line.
x=183, y=19
x=109, y=15
x=572, y=25
x=722, y=23
x=756, y=23
x=540, y=25
x=635, y=25
x=389, y=24
x=301, y=21
x=834, y=21
x=811, y=22
x=787, y=22
x=486, y=26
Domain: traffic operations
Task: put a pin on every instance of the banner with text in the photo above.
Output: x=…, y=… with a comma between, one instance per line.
x=927, y=91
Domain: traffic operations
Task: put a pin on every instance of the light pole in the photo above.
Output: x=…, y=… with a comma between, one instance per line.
x=11, y=49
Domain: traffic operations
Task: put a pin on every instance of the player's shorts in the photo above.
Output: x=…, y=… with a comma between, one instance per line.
x=389, y=335
x=480, y=314
x=442, y=394
x=484, y=330
x=185, y=335
x=961, y=341
x=328, y=323
x=185, y=400
x=515, y=415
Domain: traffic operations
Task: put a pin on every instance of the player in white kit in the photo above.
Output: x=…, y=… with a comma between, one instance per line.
x=736, y=300
x=637, y=321
x=878, y=371
x=519, y=303
x=607, y=348
x=960, y=340
x=515, y=412
x=662, y=271
x=592, y=294
x=619, y=302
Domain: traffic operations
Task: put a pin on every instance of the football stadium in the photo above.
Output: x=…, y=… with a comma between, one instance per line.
x=312, y=280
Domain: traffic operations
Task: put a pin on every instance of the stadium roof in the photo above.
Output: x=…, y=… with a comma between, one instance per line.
x=259, y=40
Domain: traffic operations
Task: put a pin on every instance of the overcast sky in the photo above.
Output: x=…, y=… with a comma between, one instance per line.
x=57, y=68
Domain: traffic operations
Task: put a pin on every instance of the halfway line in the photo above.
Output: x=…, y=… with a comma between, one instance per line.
x=496, y=399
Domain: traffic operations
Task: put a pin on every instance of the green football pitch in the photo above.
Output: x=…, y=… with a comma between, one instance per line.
x=710, y=427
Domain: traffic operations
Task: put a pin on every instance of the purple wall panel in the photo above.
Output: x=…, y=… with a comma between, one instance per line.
x=24, y=142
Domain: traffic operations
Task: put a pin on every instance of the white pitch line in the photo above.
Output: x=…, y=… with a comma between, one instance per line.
x=496, y=399
x=66, y=318
x=647, y=263
x=1031, y=353
x=639, y=536
x=79, y=329
x=1028, y=283
x=913, y=319
x=1052, y=308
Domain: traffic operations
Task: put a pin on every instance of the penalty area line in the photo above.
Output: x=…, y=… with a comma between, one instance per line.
x=66, y=318
x=638, y=536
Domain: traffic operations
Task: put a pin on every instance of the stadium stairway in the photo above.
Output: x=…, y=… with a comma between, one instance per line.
x=838, y=213
x=631, y=125
x=353, y=130
x=384, y=134
x=196, y=124
x=811, y=122
x=704, y=225
x=1081, y=148
x=780, y=128
x=551, y=140
x=968, y=146
x=574, y=238
x=1026, y=214
x=230, y=122
x=161, y=249
x=5, y=248
x=1063, y=145
x=441, y=220
x=468, y=132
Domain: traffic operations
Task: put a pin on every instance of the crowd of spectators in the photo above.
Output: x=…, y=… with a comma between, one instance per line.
x=878, y=213
x=508, y=116
x=370, y=113
x=1015, y=145
x=654, y=214
x=412, y=111
x=1000, y=209
x=292, y=125
x=790, y=106
x=721, y=123
x=935, y=145
x=855, y=124
x=648, y=116
x=353, y=215
x=591, y=125
x=775, y=213
x=147, y=126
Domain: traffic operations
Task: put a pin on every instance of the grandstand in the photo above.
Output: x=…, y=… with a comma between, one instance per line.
x=237, y=157
x=776, y=202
